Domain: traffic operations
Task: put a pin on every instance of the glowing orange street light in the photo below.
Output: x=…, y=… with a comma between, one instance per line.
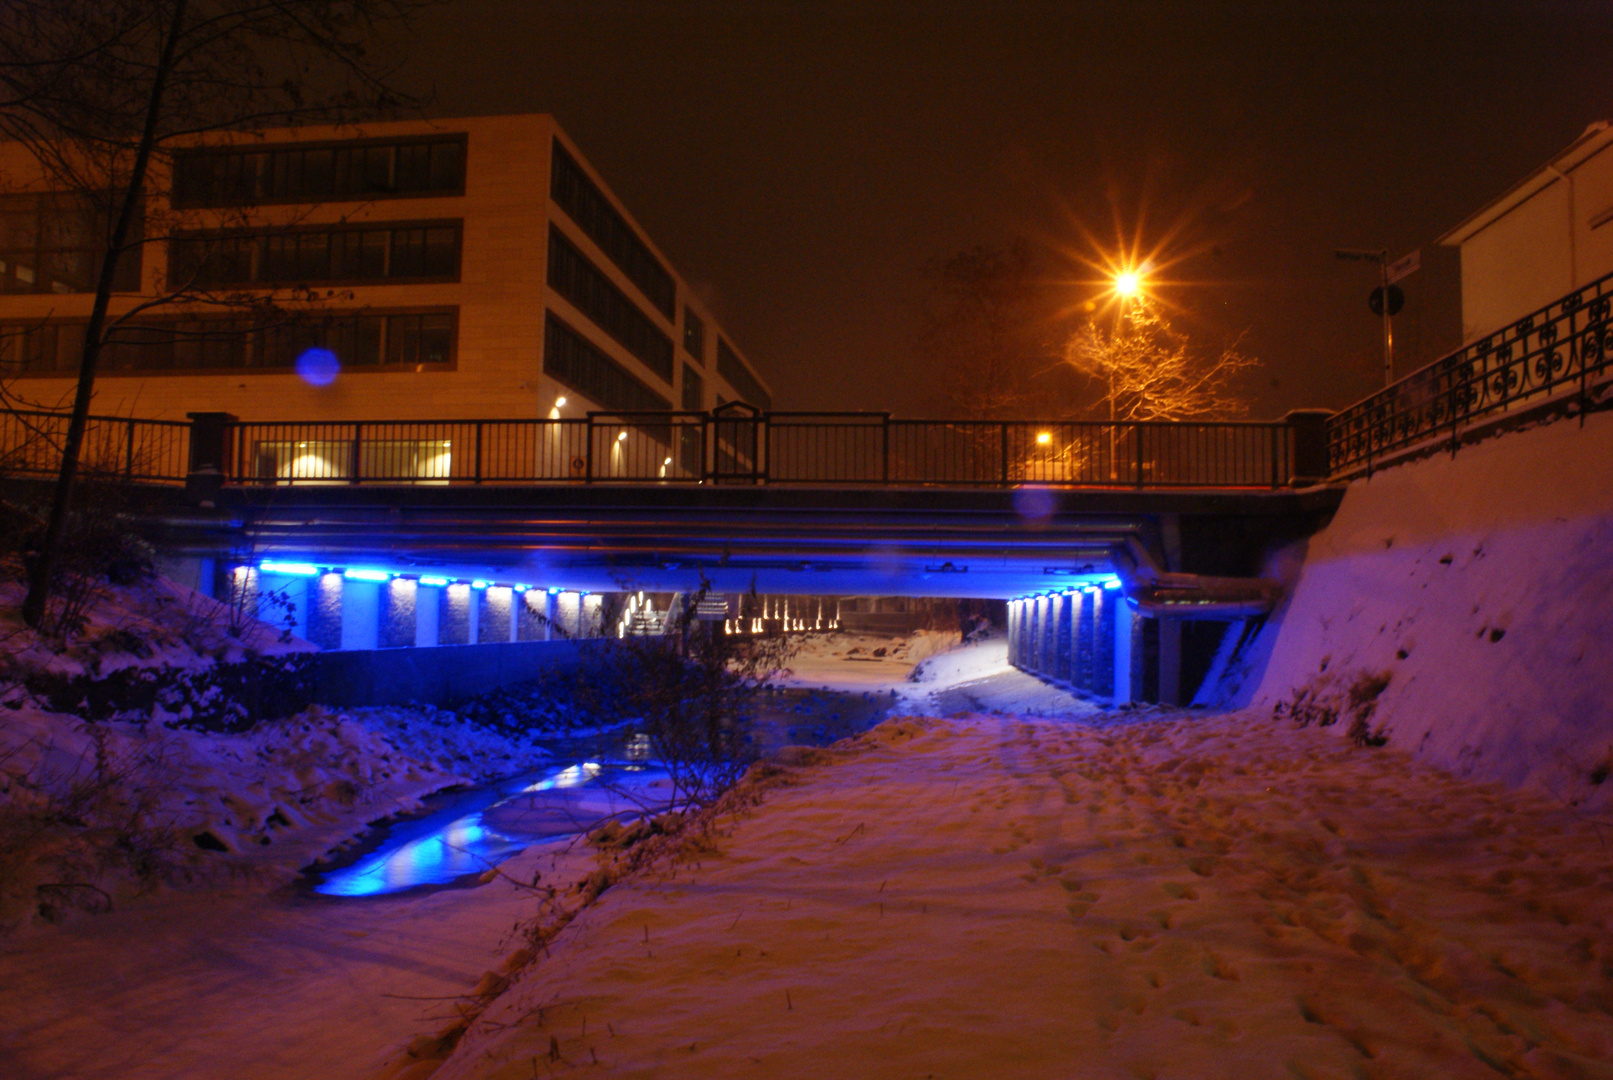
x=1128, y=283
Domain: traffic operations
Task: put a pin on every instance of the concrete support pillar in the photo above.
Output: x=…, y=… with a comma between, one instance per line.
x=1107, y=604
x=589, y=624
x=1085, y=646
x=1063, y=666
x=493, y=615
x=1170, y=661
x=361, y=614
x=427, y=614
x=325, y=611
x=398, y=620
x=530, y=614
x=454, y=614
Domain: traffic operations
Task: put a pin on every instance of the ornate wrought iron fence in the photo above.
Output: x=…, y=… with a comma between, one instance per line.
x=1563, y=348
x=146, y=450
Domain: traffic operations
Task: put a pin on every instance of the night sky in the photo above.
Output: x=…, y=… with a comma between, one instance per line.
x=800, y=162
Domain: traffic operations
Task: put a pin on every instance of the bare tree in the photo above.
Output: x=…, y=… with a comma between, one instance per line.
x=983, y=331
x=101, y=93
x=1147, y=370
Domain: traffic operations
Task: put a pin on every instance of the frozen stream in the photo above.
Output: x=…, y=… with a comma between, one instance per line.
x=478, y=829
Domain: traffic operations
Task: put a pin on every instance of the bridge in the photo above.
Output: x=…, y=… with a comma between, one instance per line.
x=1051, y=515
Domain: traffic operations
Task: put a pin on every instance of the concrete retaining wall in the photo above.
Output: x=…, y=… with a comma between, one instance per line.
x=435, y=676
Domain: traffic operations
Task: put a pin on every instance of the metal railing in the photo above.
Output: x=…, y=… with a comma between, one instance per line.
x=146, y=450
x=1564, y=347
x=762, y=448
x=827, y=449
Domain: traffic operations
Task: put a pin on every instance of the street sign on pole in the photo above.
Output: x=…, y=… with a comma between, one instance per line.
x=1404, y=266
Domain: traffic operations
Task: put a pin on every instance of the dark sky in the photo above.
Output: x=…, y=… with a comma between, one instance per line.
x=799, y=163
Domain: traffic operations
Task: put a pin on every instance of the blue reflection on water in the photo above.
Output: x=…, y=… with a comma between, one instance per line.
x=455, y=841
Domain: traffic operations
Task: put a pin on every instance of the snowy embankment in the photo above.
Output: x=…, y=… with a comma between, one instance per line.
x=94, y=814
x=1178, y=896
x=1461, y=608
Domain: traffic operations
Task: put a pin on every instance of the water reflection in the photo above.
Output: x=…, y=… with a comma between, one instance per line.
x=482, y=828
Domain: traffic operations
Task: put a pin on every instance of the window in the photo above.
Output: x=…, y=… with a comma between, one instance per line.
x=319, y=172
x=585, y=204
x=348, y=255
x=394, y=340
x=732, y=368
x=694, y=390
x=694, y=335
x=54, y=243
x=576, y=362
x=592, y=293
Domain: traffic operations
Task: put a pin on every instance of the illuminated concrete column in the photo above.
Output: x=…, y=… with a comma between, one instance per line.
x=454, y=616
x=1122, y=674
x=325, y=611
x=1107, y=604
x=1086, y=647
x=398, y=621
x=1065, y=638
x=493, y=615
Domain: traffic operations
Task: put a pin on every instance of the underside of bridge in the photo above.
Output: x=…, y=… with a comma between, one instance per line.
x=807, y=541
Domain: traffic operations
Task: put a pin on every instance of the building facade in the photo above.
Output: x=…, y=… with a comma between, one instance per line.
x=445, y=269
x=1551, y=234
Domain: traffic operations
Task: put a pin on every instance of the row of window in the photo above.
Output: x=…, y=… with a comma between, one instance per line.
x=694, y=389
x=54, y=243
x=405, y=340
x=585, y=204
x=732, y=368
x=344, y=255
x=694, y=334
x=592, y=293
x=252, y=175
x=578, y=364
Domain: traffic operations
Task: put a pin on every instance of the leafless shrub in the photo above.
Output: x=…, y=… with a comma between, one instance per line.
x=71, y=838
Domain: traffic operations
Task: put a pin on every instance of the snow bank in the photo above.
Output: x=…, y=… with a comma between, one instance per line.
x=1481, y=588
x=121, y=809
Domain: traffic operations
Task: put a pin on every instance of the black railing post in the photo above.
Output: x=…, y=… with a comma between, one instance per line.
x=1307, y=447
x=356, y=466
x=478, y=472
x=588, y=471
x=1004, y=428
x=206, y=470
x=1137, y=434
x=885, y=449
x=128, y=457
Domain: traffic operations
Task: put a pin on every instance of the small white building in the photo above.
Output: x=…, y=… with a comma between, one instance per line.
x=1550, y=234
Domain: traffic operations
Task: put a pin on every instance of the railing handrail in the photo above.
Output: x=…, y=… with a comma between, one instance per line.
x=94, y=418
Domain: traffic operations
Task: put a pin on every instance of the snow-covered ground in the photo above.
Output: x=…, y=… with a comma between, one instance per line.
x=931, y=673
x=1178, y=896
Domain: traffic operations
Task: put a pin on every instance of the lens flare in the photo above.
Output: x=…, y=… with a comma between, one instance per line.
x=318, y=367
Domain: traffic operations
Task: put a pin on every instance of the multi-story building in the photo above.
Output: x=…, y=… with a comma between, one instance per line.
x=446, y=269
